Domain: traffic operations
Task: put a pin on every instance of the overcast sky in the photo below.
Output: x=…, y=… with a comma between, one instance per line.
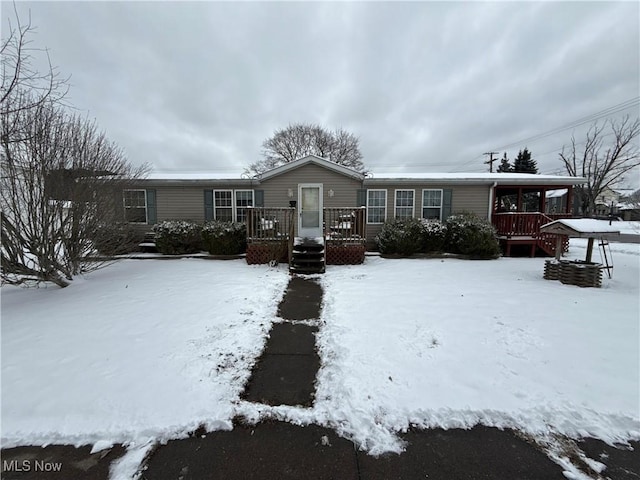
x=425, y=86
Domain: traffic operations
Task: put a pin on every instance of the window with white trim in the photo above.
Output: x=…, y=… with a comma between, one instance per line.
x=432, y=204
x=376, y=206
x=404, y=203
x=244, y=199
x=135, y=206
x=223, y=205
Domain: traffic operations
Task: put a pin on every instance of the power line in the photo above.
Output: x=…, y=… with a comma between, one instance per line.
x=581, y=121
x=632, y=102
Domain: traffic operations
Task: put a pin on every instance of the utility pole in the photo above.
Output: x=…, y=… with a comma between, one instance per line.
x=491, y=160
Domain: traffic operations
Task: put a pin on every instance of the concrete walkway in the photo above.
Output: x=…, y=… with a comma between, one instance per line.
x=285, y=375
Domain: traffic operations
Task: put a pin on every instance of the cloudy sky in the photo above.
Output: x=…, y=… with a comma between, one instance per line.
x=426, y=86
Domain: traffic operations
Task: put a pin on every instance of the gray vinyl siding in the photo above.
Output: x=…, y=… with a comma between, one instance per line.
x=464, y=198
x=180, y=203
x=344, y=188
x=186, y=202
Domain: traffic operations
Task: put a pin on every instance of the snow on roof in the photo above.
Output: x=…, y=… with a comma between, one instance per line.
x=501, y=178
x=624, y=191
x=580, y=227
x=556, y=193
x=193, y=176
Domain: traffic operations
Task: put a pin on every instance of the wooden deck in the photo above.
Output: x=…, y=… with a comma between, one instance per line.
x=271, y=235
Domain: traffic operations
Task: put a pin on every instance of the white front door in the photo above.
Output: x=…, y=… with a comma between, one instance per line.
x=310, y=210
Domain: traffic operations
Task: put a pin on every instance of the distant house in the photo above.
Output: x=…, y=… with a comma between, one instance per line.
x=628, y=205
x=613, y=200
x=315, y=198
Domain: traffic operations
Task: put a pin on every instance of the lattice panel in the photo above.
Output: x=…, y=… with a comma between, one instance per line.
x=344, y=254
x=258, y=253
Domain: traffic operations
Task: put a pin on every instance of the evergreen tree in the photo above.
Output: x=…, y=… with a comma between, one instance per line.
x=524, y=163
x=505, y=166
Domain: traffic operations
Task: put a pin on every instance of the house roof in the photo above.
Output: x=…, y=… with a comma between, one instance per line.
x=311, y=159
x=579, y=227
x=369, y=178
x=193, y=176
x=478, y=178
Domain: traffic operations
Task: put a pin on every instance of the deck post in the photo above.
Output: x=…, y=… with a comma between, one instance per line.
x=558, y=247
x=589, y=250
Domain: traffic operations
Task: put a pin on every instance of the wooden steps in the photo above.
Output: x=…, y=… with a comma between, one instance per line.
x=308, y=256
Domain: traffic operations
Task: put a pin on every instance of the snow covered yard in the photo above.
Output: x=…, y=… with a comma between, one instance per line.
x=148, y=350
x=141, y=349
x=452, y=343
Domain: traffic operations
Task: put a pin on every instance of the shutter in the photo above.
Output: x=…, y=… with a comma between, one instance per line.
x=152, y=216
x=361, y=200
x=208, y=205
x=446, y=203
x=259, y=198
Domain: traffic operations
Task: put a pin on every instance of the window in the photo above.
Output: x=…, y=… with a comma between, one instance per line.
x=432, y=204
x=244, y=199
x=404, y=203
x=376, y=206
x=135, y=206
x=223, y=205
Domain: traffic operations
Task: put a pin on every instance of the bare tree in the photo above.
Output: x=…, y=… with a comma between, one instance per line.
x=61, y=183
x=61, y=180
x=299, y=140
x=23, y=87
x=602, y=162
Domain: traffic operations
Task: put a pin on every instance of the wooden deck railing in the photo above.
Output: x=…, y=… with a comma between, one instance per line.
x=269, y=224
x=512, y=225
x=345, y=225
x=518, y=224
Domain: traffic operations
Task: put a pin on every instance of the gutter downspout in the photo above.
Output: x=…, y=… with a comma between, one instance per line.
x=490, y=211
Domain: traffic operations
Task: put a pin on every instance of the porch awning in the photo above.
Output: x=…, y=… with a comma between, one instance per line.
x=580, y=228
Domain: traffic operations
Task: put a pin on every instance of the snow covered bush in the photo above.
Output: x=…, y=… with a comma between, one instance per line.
x=224, y=238
x=400, y=235
x=177, y=237
x=471, y=235
x=433, y=236
x=116, y=239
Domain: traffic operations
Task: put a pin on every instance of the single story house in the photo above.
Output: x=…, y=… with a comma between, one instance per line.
x=318, y=199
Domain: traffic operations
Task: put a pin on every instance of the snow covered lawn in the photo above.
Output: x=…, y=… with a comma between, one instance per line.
x=453, y=343
x=141, y=349
x=150, y=349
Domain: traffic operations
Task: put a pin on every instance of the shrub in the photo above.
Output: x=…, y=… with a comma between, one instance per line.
x=117, y=239
x=401, y=235
x=177, y=237
x=433, y=236
x=471, y=235
x=224, y=238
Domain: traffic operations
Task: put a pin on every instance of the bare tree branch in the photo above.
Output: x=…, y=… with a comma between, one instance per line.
x=603, y=165
x=299, y=140
x=61, y=179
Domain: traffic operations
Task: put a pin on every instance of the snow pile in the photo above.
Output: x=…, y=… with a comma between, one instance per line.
x=141, y=350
